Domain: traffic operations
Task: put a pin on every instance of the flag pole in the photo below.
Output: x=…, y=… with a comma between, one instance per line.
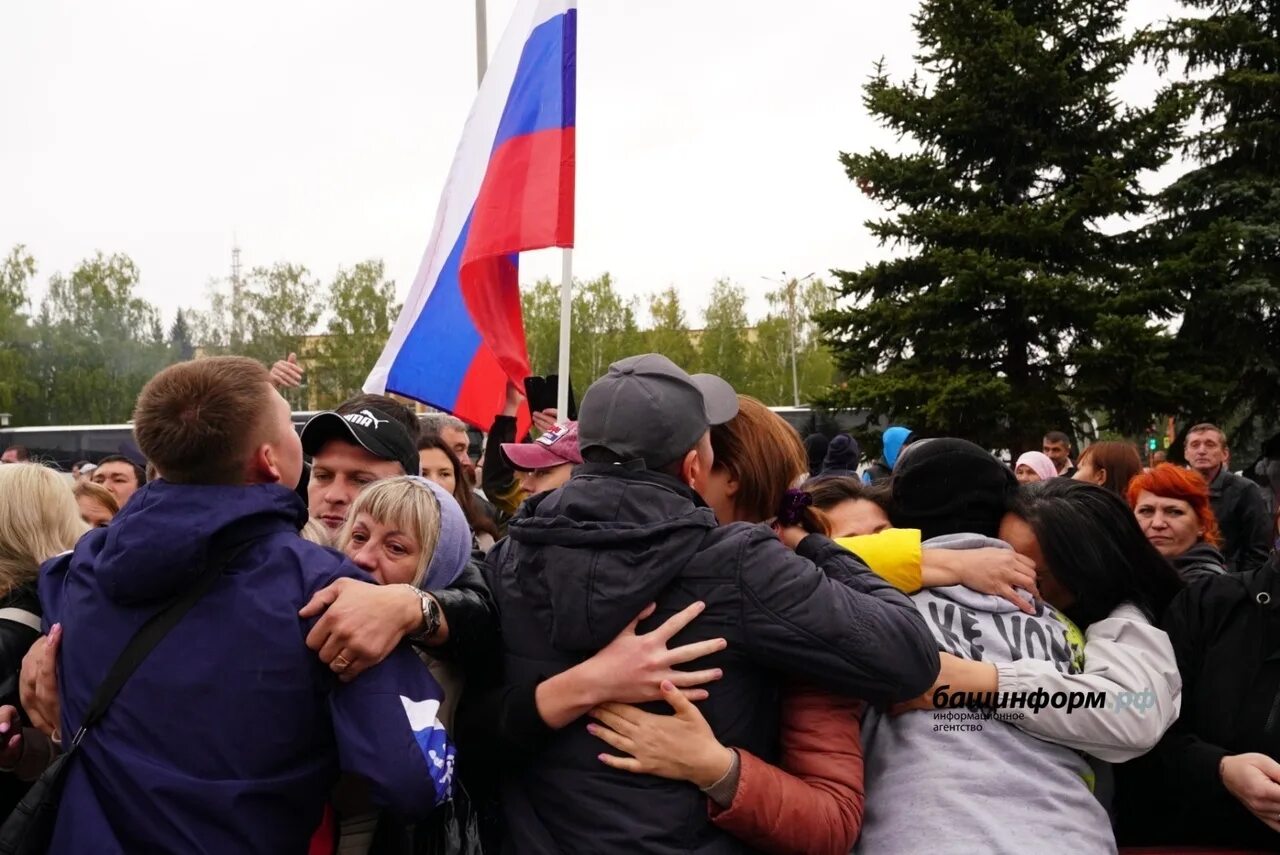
x=482, y=42
x=566, y=323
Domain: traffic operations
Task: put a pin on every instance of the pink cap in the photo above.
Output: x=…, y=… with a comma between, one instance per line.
x=556, y=447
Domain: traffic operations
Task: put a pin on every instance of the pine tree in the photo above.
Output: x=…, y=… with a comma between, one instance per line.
x=1219, y=224
x=180, y=345
x=1021, y=153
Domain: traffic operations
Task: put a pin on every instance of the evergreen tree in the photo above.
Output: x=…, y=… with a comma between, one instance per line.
x=1219, y=224
x=1021, y=154
x=181, y=347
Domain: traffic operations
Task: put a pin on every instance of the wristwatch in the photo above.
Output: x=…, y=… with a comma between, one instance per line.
x=430, y=616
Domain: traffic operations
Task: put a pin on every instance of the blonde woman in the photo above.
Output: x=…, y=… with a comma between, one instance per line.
x=98, y=506
x=38, y=520
x=402, y=531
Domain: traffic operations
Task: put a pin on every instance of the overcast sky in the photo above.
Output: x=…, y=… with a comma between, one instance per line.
x=320, y=132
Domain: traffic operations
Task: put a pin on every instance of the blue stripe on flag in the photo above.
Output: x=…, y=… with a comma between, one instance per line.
x=544, y=92
x=439, y=349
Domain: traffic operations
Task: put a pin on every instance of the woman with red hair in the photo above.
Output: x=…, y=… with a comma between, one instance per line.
x=1172, y=506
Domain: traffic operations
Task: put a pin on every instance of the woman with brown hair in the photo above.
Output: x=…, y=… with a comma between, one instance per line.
x=1111, y=465
x=441, y=465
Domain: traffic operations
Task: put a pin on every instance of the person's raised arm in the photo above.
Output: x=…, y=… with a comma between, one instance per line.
x=896, y=556
x=287, y=373
x=498, y=480
x=631, y=669
x=360, y=623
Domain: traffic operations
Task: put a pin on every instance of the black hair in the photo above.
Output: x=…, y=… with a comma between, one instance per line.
x=835, y=490
x=1095, y=549
x=387, y=406
x=476, y=518
x=139, y=473
x=1058, y=437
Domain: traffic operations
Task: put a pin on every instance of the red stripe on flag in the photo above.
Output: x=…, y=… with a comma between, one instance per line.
x=526, y=200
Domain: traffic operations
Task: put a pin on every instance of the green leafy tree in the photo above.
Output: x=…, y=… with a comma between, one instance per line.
x=220, y=327
x=769, y=365
x=1219, y=224
x=668, y=333
x=1022, y=154
x=723, y=345
x=284, y=305
x=18, y=387
x=540, y=306
x=364, y=309
x=603, y=328
x=97, y=342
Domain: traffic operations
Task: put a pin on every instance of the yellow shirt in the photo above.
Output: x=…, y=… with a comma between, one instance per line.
x=894, y=555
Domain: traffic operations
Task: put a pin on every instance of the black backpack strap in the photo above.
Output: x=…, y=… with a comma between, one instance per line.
x=148, y=636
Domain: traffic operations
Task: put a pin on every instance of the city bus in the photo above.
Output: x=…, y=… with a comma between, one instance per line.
x=65, y=445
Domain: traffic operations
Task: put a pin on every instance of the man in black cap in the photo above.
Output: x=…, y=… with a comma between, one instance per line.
x=351, y=448
x=630, y=529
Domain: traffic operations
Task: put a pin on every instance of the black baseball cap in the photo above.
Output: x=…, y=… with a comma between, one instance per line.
x=373, y=430
x=648, y=408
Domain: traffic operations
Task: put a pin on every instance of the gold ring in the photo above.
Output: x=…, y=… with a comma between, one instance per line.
x=340, y=663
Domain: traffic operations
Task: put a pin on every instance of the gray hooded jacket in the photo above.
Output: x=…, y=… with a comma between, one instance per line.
x=961, y=781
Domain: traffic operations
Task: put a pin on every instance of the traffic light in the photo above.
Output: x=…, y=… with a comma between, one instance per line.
x=1151, y=443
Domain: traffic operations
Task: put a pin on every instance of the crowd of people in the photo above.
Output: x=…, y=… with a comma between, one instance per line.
x=670, y=625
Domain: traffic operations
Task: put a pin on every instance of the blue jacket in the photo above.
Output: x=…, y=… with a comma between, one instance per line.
x=230, y=735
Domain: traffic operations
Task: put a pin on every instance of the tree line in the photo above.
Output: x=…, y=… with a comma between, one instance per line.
x=83, y=354
x=1040, y=283
x=754, y=358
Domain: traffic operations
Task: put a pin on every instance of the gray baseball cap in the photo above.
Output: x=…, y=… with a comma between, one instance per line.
x=647, y=408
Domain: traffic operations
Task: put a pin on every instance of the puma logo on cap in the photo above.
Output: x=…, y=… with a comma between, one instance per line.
x=364, y=418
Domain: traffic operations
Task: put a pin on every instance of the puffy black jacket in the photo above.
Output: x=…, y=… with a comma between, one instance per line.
x=581, y=562
x=1242, y=515
x=1225, y=631
x=16, y=638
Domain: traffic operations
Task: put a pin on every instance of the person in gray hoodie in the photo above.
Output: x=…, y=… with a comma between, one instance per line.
x=960, y=780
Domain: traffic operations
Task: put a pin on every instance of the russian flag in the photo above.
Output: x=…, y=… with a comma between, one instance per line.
x=460, y=336
x=432, y=740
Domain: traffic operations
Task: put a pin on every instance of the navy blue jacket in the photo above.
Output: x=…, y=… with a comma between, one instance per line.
x=230, y=735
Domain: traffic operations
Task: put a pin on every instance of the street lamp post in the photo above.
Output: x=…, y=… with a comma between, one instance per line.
x=791, y=287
